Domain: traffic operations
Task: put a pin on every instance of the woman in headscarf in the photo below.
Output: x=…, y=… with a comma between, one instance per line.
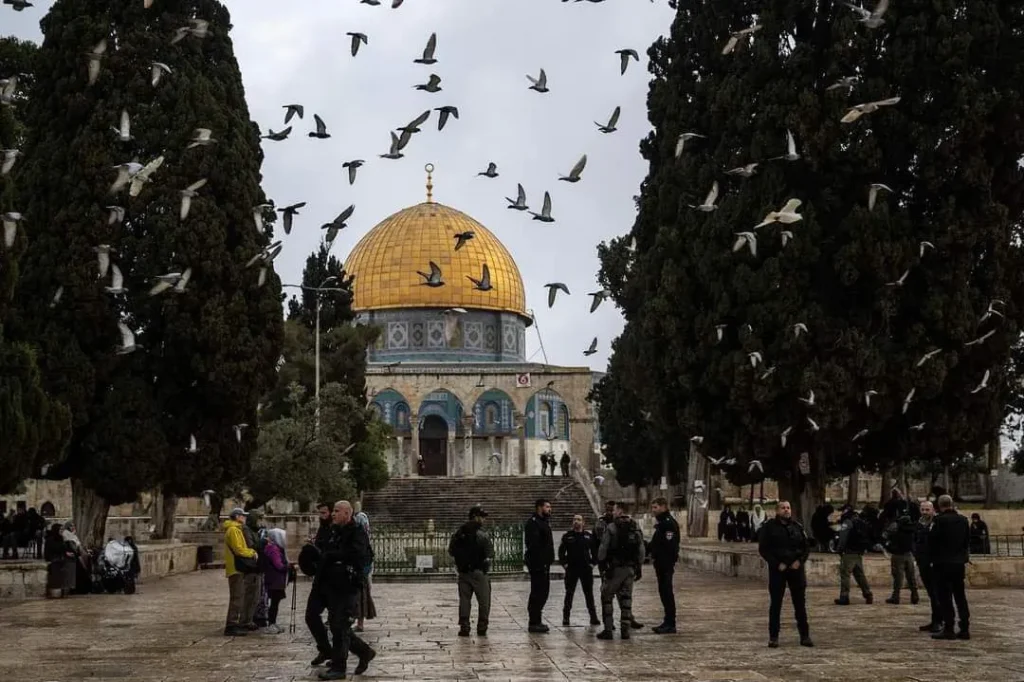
x=367, y=609
x=275, y=576
x=77, y=579
x=757, y=519
x=980, y=543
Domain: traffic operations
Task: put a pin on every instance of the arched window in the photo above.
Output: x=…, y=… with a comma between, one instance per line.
x=563, y=422
x=491, y=419
x=402, y=416
x=47, y=510
x=544, y=419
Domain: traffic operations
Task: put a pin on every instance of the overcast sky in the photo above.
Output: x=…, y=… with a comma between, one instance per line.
x=485, y=49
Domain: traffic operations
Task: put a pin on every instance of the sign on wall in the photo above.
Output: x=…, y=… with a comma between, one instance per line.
x=523, y=380
x=424, y=561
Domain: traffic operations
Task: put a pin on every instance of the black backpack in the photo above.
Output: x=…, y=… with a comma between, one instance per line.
x=627, y=541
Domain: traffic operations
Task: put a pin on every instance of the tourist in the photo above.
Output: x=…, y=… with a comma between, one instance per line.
x=275, y=576
x=900, y=544
x=783, y=545
x=256, y=601
x=577, y=554
x=338, y=579
x=854, y=539
x=924, y=565
x=316, y=604
x=366, y=609
x=980, y=543
x=564, y=462
x=539, y=555
x=473, y=552
x=664, y=552
x=727, y=525
x=620, y=560
x=743, y=524
x=949, y=548
x=757, y=520
x=239, y=566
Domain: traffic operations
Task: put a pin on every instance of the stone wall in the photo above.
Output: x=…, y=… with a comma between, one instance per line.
x=27, y=579
x=823, y=569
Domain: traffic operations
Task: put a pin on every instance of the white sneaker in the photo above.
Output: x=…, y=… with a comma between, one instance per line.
x=273, y=630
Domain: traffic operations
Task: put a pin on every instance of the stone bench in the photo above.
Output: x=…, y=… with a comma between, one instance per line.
x=743, y=561
x=27, y=579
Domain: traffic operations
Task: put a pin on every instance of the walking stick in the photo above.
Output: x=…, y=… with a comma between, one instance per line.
x=295, y=589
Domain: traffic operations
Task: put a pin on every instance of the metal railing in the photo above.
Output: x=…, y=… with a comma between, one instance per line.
x=1005, y=545
x=400, y=551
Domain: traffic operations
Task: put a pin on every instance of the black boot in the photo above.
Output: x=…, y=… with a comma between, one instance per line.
x=605, y=634
x=364, y=662
x=842, y=601
x=894, y=599
x=566, y=622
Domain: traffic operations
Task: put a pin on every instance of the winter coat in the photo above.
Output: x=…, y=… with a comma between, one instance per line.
x=234, y=543
x=275, y=568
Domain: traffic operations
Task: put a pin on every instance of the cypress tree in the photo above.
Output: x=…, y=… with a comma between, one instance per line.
x=207, y=354
x=33, y=428
x=335, y=306
x=949, y=151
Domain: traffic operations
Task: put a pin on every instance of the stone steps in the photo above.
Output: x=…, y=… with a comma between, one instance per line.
x=410, y=502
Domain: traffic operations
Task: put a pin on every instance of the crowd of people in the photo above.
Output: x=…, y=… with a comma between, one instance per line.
x=21, y=534
x=740, y=526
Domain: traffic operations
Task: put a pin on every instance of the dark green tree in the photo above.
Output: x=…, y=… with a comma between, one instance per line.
x=716, y=322
x=33, y=428
x=335, y=306
x=207, y=354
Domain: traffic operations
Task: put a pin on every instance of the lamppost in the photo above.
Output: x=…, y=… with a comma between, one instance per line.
x=316, y=352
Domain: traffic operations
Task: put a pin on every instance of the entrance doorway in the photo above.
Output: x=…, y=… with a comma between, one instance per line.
x=434, y=446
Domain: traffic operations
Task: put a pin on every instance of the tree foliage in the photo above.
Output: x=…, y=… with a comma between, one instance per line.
x=33, y=428
x=208, y=354
x=949, y=150
x=335, y=306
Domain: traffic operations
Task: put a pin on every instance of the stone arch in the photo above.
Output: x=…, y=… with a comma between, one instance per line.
x=545, y=410
x=443, y=403
x=48, y=510
x=493, y=413
x=388, y=404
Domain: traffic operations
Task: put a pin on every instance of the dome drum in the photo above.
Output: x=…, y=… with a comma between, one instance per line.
x=417, y=335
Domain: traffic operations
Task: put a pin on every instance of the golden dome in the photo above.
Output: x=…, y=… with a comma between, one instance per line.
x=387, y=258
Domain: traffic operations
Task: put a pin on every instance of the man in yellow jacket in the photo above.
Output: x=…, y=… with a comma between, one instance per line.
x=242, y=574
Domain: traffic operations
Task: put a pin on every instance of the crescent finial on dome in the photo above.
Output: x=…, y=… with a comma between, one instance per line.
x=430, y=182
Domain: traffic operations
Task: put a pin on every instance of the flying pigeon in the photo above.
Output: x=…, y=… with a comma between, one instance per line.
x=791, y=153
x=908, y=400
x=992, y=310
x=199, y=28
x=352, y=167
x=813, y=424
x=484, y=283
x=520, y=202
x=867, y=397
x=413, y=126
x=157, y=71
x=545, y=212
x=734, y=38
x=743, y=171
x=142, y=176
x=491, y=172
x=984, y=382
x=193, y=447
x=95, y=56
x=553, y=289
x=981, y=339
x=128, y=344
x=462, y=237
x=867, y=108
x=786, y=236
x=103, y=252
x=720, y=332
x=433, y=84
x=321, y=128
x=201, y=138
x=709, y=201
x=681, y=142
x=288, y=213
x=18, y=6
x=293, y=110
x=428, y=51
x=540, y=83
x=872, y=19
x=785, y=435
x=798, y=329
x=786, y=215
x=592, y=348
x=928, y=356
x=257, y=217
x=924, y=246
x=116, y=281
x=597, y=297
x=755, y=358
x=613, y=121
x=847, y=82
x=451, y=322
x=338, y=223
x=624, y=57
x=395, y=151
x=809, y=400
x=7, y=159
x=748, y=239
x=432, y=280
x=172, y=280
x=873, y=191
x=446, y=111
x=187, y=194
x=279, y=136
x=574, y=174
x=115, y=214
x=917, y=427
x=56, y=297
x=7, y=88
x=356, y=39
x=755, y=464
x=124, y=127
x=899, y=282
x=860, y=434
x=10, y=220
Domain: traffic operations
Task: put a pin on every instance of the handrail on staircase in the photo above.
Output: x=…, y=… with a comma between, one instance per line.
x=587, y=484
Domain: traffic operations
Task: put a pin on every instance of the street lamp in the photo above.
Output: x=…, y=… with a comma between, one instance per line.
x=316, y=353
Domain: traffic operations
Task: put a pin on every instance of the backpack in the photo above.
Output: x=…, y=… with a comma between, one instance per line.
x=627, y=541
x=464, y=550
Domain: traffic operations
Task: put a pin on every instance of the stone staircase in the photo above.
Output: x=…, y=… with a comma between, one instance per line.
x=410, y=502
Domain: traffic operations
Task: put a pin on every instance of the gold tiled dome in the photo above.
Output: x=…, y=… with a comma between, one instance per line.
x=386, y=259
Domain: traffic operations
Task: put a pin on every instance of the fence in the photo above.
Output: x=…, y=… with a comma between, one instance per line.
x=1006, y=545
x=399, y=551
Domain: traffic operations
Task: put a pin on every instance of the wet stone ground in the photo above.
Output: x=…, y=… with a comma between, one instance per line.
x=171, y=630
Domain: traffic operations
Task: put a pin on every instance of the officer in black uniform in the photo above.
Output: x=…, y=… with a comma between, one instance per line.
x=309, y=558
x=783, y=544
x=664, y=552
x=578, y=554
x=338, y=579
x=539, y=555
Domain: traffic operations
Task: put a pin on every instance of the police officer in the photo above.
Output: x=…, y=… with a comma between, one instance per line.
x=343, y=562
x=664, y=552
x=473, y=552
x=620, y=558
x=783, y=545
x=899, y=538
x=540, y=554
x=854, y=540
x=599, y=528
x=309, y=561
x=577, y=553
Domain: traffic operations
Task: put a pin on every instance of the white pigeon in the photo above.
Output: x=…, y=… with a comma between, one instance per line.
x=791, y=153
x=992, y=311
x=175, y=280
x=799, y=328
x=908, y=400
x=10, y=220
x=95, y=56
x=697, y=439
x=873, y=18
x=156, y=72
x=206, y=494
x=859, y=110
x=786, y=236
x=187, y=194
x=56, y=296
x=102, y=258
x=784, y=435
x=599, y=479
x=709, y=201
x=201, y=138
x=8, y=86
x=734, y=38
x=873, y=191
x=867, y=396
x=847, y=82
x=917, y=427
x=124, y=127
x=899, y=282
x=199, y=28
x=923, y=246
x=743, y=171
x=928, y=356
x=813, y=424
x=809, y=400
x=755, y=358
x=257, y=216
x=981, y=339
x=238, y=428
x=857, y=436
x=451, y=322
x=748, y=239
x=720, y=331
x=9, y=156
x=984, y=382
x=755, y=464
x=128, y=344
x=786, y=215
x=116, y=281
x=193, y=447
x=768, y=372
x=115, y=214
x=681, y=141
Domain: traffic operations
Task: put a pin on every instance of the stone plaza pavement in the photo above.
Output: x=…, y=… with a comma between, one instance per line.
x=171, y=630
